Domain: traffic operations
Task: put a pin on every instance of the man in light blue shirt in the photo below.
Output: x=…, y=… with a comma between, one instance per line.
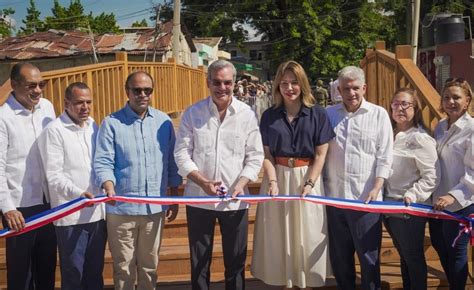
x=134, y=156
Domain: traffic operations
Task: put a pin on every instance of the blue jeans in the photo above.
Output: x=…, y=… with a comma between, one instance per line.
x=453, y=259
x=81, y=253
x=354, y=231
x=408, y=235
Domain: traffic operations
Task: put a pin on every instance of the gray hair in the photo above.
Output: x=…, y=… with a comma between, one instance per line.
x=218, y=65
x=351, y=73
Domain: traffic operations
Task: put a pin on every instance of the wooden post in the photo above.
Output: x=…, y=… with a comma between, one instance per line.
x=204, y=82
x=380, y=45
x=401, y=52
x=174, y=105
x=123, y=57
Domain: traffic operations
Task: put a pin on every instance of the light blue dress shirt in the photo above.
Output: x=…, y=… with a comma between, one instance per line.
x=137, y=156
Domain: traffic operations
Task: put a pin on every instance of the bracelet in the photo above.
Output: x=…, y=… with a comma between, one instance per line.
x=309, y=182
x=271, y=181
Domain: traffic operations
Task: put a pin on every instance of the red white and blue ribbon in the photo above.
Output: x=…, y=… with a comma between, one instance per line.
x=415, y=209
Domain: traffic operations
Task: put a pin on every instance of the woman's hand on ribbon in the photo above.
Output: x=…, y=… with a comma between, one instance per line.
x=443, y=201
x=273, y=188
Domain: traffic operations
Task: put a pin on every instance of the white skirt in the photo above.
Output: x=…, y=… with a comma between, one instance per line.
x=290, y=245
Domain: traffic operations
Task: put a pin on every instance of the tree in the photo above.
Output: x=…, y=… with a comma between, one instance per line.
x=104, y=23
x=73, y=17
x=6, y=28
x=323, y=35
x=142, y=23
x=32, y=20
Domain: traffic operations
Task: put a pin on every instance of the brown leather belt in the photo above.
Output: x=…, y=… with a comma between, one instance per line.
x=293, y=161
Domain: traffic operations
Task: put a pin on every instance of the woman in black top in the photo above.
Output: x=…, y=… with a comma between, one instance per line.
x=290, y=239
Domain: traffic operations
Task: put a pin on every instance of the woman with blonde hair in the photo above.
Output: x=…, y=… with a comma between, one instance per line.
x=290, y=238
x=455, y=145
x=414, y=178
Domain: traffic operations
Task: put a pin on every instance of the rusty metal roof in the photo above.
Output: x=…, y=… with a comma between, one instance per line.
x=55, y=43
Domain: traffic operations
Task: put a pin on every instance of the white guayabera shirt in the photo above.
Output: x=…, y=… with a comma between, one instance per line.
x=361, y=151
x=67, y=153
x=22, y=179
x=222, y=151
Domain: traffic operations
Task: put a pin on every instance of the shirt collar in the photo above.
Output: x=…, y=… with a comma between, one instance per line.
x=304, y=111
x=232, y=107
x=17, y=107
x=364, y=107
x=132, y=115
x=69, y=123
x=462, y=121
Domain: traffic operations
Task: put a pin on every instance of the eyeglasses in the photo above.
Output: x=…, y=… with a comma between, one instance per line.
x=402, y=105
x=32, y=85
x=217, y=83
x=287, y=84
x=138, y=91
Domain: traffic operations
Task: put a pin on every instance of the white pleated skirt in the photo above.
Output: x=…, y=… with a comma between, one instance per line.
x=290, y=245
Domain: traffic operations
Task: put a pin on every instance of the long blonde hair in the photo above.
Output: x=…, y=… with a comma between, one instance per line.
x=307, y=97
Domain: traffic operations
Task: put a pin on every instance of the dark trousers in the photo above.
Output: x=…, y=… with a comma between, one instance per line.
x=31, y=257
x=81, y=253
x=234, y=230
x=408, y=235
x=349, y=232
x=453, y=259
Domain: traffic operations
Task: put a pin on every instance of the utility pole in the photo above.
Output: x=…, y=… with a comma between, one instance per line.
x=91, y=35
x=415, y=4
x=157, y=29
x=176, y=30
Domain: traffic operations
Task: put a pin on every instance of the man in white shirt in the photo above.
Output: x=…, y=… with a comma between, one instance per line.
x=218, y=145
x=359, y=159
x=31, y=256
x=336, y=97
x=67, y=146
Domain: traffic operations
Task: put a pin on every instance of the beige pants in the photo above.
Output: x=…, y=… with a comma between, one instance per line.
x=134, y=242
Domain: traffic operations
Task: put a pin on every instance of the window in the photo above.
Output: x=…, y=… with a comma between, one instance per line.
x=253, y=54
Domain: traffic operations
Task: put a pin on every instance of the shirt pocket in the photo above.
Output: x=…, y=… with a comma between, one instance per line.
x=203, y=140
x=369, y=141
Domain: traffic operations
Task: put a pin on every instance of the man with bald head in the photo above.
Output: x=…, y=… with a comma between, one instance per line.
x=67, y=146
x=31, y=256
x=134, y=156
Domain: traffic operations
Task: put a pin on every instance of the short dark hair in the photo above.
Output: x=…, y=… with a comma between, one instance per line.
x=135, y=73
x=15, y=73
x=71, y=87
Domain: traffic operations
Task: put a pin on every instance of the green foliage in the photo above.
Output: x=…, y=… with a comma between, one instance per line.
x=142, y=23
x=5, y=28
x=32, y=20
x=68, y=18
x=103, y=23
x=322, y=35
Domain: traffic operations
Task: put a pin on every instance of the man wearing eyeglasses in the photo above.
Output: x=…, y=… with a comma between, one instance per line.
x=219, y=149
x=134, y=156
x=31, y=256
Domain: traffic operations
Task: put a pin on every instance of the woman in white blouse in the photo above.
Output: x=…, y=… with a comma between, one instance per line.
x=414, y=178
x=455, y=140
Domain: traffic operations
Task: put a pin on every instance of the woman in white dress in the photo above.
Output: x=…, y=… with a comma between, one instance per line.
x=290, y=238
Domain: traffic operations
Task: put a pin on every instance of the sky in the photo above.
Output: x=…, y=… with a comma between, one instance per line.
x=126, y=11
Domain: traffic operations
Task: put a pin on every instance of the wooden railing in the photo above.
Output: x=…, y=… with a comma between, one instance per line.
x=176, y=86
x=386, y=72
